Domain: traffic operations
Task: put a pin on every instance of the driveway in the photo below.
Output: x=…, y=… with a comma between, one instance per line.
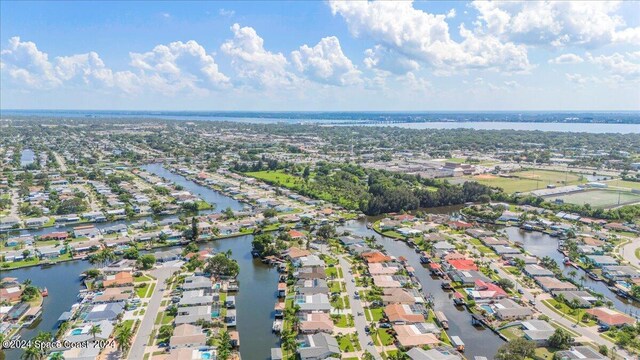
x=356, y=308
x=588, y=333
x=146, y=326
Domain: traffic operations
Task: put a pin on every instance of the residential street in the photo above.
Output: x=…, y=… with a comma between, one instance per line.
x=356, y=307
x=628, y=252
x=146, y=326
x=589, y=333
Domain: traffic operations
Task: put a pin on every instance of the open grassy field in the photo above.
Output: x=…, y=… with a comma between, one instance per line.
x=529, y=180
x=278, y=177
x=598, y=198
x=624, y=184
x=509, y=185
x=551, y=177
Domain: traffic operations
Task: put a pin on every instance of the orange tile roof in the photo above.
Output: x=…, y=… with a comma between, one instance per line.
x=463, y=264
x=397, y=313
x=295, y=234
x=121, y=278
x=375, y=257
x=611, y=317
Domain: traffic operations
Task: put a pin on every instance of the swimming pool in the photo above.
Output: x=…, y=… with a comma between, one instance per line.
x=205, y=355
x=76, y=332
x=487, y=308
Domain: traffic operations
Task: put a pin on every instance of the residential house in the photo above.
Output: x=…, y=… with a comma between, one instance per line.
x=537, y=331
x=610, y=318
x=186, y=336
x=192, y=314
x=316, y=322
x=405, y=313
x=319, y=346
x=123, y=278
x=486, y=292
x=401, y=296
x=313, y=303
x=418, y=334
x=101, y=312
x=534, y=270
x=509, y=310
x=579, y=353
x=551, y=284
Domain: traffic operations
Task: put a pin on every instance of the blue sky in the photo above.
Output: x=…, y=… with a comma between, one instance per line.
x=320, y=55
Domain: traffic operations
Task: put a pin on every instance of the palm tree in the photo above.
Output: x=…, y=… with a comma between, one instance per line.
x=289, y=341
x=31, y=353
x=95, y=330
x=572, y=274
x=123, y=338
x=56, y=356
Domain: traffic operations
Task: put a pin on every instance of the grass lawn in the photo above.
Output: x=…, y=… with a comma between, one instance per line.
x=278, y=177
x=341, y=321
x=565, y=310
x=334, y=286
x=331, y=272
x=545, y=353
x=203, y=205
x=509, y=185
x=142, y=278
x=393, y=234
x=638, y=253
x=142, y=291
x=551, y=177
x=624, y=184
x=384, y=338
x=598, y=198
x=512, y=333
x=17, y=264
x=349, y=343
x=376, y=314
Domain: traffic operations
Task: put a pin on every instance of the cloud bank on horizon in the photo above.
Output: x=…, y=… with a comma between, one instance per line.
x=397, y=56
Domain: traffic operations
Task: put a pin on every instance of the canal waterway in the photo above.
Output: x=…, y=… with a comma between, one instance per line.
x=62, y=282
x=540, y=244
x=479, y=341
x=254, y=302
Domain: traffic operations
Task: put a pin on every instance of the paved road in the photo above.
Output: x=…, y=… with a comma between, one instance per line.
x=628, y=252
x=146, y=326
x=60, y=161
x=588, y=333
x=356, y=308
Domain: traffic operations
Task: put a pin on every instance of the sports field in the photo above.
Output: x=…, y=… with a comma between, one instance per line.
x=624, y=184
x=547, y=177
x=529, y=180
x=598, y=198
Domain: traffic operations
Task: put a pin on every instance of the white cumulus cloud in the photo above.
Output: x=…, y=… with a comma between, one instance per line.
x=179, y=66
x=556, y=23
x=419, y=36
x=326, y=63
x=253, y=63
x=567, y=59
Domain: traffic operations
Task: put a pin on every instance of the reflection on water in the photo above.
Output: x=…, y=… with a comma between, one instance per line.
x=541, y=245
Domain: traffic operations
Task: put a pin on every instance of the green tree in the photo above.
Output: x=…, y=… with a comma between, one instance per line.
x=195, y=234
x=326, y=232
x=517, y=349
x=224, y=345
x=123, y=339
x=146, y=261
x=561, y=339
x=221, y=264
x=94, y=331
